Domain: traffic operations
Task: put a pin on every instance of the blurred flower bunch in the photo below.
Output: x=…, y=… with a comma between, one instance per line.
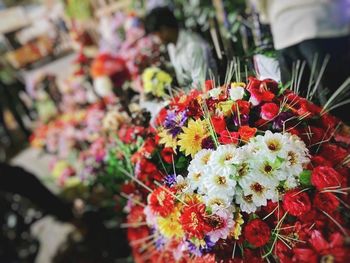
x=156, y=82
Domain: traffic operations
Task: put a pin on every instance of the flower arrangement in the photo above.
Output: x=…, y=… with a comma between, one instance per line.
x=241, y=173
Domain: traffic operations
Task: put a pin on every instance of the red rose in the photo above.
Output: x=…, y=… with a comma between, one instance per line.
x=167, y=154
x=269, y=111
x=243, y=107
x=219, y=123
x=257, y=233
x=246, y=132
x=326, y=202
x=325, y=176
x=338, y=153
x=227, y=137
x=318, y=160
x=296, y=202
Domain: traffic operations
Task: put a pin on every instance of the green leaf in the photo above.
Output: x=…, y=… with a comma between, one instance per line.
x=305, y=178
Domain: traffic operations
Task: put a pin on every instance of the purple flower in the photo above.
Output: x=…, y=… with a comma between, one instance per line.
x=208, y=245
x=174, y=122
x=170, y=180
x=208, y=143
x=280, y=120
x=243, y=119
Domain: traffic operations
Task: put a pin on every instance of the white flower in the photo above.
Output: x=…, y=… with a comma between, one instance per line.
x=245, y=202
x=258, y=189
x=226, y=223
x=267, y=170
x=218, y=184
x=201, y=160
x=195, y=178
x=236, y=92
x=215, y=93
x=273, y=145
x=222, y=160
x=215, y=202
x=183, y=184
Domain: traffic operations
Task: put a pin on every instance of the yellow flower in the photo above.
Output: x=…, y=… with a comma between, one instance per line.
x=155, y=81
x=237, y=229
x=226, y=107
x=59, y=168
x=167, y=139
x=170, y=226
x=190, y=141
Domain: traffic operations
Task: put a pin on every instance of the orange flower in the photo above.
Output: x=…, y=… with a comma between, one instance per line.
x=246, y=132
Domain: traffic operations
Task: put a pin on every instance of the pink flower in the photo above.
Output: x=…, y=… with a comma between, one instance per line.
x=222, y=222
x=269, y=111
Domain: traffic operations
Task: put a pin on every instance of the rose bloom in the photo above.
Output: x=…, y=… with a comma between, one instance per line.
x=269, y=111
x=326, y=202
x=257, y=233
x=246, y=132
x=161, y=202
x=325, y=176
x=227, y=137
x=219, y=123
x=296, y=203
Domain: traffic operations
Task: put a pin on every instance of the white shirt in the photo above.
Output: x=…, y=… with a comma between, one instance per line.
x=191, y=58
x=293, y=21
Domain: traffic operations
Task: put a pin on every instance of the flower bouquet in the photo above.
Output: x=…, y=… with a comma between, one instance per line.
x=241, y=173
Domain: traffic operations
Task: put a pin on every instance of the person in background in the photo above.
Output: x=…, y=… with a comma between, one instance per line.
x=307, y=30
x=189, y=54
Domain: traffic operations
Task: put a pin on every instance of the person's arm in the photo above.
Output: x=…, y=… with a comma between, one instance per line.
x=19, y=181
x=197, y=64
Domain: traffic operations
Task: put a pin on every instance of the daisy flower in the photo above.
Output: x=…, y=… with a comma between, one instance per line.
x=245, y=202
x=190, y=140
x=218, y=184
x=222, y=160
x=273, y=145
x=167, y=139
x=216, y=202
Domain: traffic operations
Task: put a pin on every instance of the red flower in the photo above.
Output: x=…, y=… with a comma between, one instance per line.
x=219, y=123
x=227, y=137
x=257, y=233
x=246, y=132
x=325, y=176
x=193, y=220
x=338, y=153
x=209, y=84
x=161, y=201
x=326, y=202
x=243, y=107
x=322, y=250
x=167, y=154
x=296, y=202
x=161, y=116
x=318, y=160
x=269, y=111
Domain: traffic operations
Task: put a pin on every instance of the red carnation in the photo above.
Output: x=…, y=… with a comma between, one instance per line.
x=296, y=202
x=269, y=111
x=246, y=132
x=257, y=233
x=193, y=220
x=219, y=123
x=325, y=176
x=167, y=155
x=326, y=202
x=161, y=201
x=338, y=153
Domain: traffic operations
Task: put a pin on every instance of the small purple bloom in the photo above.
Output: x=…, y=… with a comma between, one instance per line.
x=209, y=245
x=170, y=180
x=208, y=143
x=242, y=120
x=174, y=122
x=280, y=120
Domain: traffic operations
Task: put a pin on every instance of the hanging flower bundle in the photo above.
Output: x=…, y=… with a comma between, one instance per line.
x=240, y=173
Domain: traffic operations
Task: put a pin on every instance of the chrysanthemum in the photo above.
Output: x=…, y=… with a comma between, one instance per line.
x=170, y=226
x=167, y=139
x=193, y=220
x=190, y=140
x=222, y=160
x=161, y=201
